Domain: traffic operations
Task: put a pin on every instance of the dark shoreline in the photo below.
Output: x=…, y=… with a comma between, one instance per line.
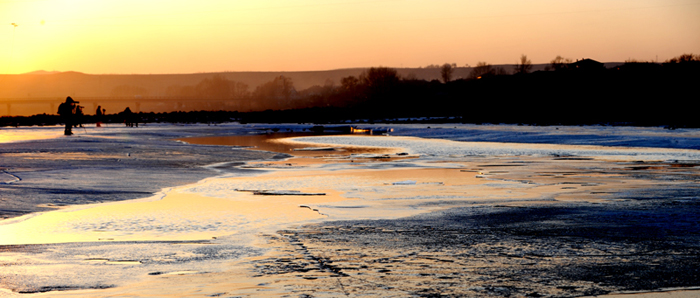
x=326, y=116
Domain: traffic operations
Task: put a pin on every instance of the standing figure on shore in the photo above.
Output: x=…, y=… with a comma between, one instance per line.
x=98, y=116
x=78, y=116
x=67, y=110
x=130, y=119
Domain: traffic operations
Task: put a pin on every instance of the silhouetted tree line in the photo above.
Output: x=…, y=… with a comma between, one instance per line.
x=216, y=87
x=567, y=93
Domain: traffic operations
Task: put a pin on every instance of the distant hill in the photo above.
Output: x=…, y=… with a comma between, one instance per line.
x=42, y=72
x=39, y=91
x=44, y=84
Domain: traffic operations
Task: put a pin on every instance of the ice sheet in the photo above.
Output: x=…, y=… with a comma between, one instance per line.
x=440, y=149
x=201, y=226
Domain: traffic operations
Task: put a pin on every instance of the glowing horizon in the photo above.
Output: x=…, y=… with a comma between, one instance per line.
x=141, y=37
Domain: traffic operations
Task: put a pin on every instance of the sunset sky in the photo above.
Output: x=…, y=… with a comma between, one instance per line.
x=182, y=36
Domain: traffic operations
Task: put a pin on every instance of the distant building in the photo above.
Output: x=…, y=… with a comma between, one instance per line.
x=587, y=65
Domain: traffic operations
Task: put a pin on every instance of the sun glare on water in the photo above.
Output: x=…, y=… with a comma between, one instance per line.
x=11, y=135
x=177, y=216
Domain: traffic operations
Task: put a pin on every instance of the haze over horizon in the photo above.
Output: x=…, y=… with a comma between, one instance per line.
x=163, y=37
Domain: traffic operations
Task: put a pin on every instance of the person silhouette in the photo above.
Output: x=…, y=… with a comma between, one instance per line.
x=67, y=111
x=78, y=116
x=98, y=116
x=128, y=117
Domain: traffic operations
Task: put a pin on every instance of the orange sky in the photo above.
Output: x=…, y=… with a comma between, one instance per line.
x=183, y=36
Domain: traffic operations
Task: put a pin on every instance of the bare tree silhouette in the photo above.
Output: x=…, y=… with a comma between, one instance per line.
x=214, y=87
x=446, y=71
x=684, y=58
x=482, y=69
x=524, y=66
x=379, y=77
x=279, y=88
x=558, y=63
x=349, y=83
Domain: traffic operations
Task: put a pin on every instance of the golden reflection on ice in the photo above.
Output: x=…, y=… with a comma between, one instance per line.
x=178, y=216
x=283, y=143
x=9, y=135
x=221, y=209
x=217, y=207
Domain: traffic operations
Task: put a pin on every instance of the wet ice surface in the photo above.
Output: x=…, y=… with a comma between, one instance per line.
x=200, y=227
x=73, y=266
x=103, y=165
x=109, y=164
x=656, y=137
x=447, y=149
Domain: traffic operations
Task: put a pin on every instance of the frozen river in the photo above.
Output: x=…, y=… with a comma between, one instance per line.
x=204, y=226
